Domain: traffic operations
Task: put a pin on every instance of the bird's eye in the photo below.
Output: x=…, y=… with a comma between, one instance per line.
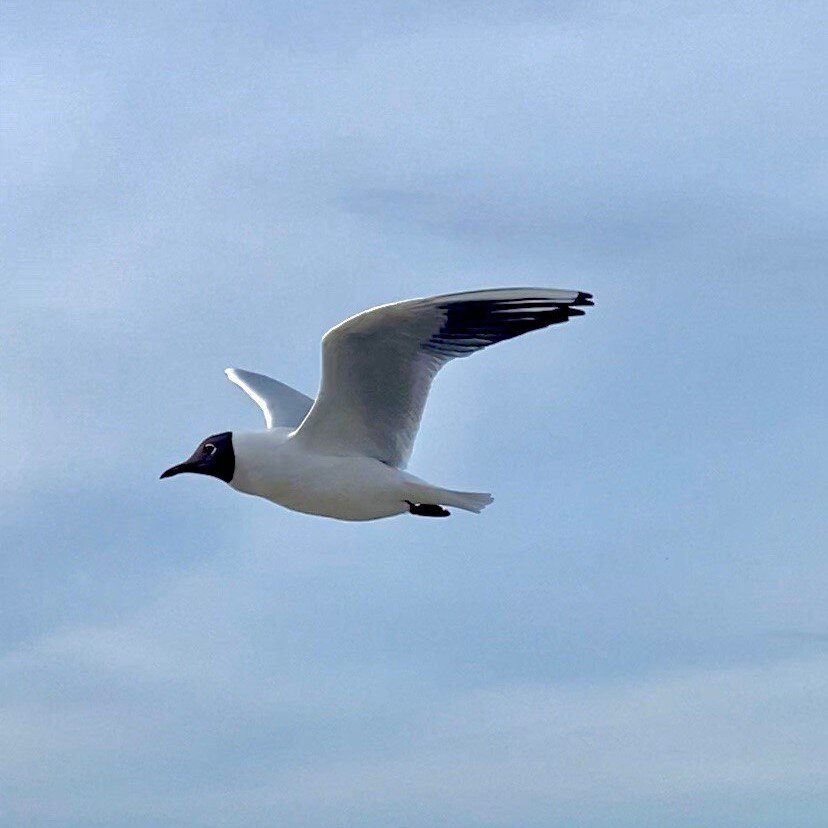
x=209, y=449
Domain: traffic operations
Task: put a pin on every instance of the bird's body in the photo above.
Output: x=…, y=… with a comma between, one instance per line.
x=270, y=464
x=343, y=455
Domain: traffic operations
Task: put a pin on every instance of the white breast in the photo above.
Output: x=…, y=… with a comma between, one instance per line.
x=271, y=465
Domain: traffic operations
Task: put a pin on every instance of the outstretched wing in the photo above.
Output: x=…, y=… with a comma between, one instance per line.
x=377, y=366
x=281, y=404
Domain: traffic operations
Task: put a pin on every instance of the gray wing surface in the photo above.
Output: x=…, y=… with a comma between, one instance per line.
x=377, y=366
x=282, y=405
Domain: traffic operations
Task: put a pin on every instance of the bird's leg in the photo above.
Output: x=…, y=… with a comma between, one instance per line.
x=427, y=509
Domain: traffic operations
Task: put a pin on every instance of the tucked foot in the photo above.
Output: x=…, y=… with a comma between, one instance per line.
x=427, y=509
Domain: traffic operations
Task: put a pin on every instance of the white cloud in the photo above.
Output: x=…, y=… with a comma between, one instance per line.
x=529, y=754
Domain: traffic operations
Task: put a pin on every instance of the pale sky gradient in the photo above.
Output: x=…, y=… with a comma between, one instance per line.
x=635, y=634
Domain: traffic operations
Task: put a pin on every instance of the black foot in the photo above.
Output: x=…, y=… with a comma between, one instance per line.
x=427, y=509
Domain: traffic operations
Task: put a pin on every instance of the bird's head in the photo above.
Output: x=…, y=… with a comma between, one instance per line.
x=214, y=457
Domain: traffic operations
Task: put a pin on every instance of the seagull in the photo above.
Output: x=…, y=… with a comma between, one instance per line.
x=343, y=455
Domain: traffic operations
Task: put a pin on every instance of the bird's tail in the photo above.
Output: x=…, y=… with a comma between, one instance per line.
x=470, y=501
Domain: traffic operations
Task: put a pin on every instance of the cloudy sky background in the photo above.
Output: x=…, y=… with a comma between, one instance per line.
x=635, y=633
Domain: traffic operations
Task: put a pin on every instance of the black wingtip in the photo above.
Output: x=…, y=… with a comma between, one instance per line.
x=583, y=299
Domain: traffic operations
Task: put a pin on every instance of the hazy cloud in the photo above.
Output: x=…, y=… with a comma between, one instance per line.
x=205, y=185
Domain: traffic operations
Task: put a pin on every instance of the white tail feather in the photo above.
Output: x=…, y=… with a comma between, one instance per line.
x=470, y=501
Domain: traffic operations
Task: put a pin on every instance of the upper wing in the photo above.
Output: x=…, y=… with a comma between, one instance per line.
x=377, y=366
x=281, y=404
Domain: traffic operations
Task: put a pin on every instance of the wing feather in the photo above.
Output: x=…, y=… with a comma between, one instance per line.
x=377, y=366
x=281, y=404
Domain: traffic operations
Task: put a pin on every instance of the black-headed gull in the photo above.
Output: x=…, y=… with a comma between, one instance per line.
x=343, y=455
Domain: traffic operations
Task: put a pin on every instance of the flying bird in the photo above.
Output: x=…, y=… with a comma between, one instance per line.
x=343, y=455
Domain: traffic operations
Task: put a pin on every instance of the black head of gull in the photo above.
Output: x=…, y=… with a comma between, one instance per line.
x=213, y=457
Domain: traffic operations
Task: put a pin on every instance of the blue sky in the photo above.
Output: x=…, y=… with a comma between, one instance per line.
x=634, y=634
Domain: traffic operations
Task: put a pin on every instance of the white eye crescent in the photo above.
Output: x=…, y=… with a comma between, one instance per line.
x=209, y=449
